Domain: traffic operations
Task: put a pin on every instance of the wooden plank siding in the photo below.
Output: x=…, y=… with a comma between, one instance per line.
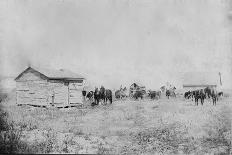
x=59, y=90
x=75, y=92
x=34, y=88
x=31, y=91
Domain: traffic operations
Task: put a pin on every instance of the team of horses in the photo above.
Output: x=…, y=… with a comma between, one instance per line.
x=105, y=96
x=98, y=95
x=202, y=94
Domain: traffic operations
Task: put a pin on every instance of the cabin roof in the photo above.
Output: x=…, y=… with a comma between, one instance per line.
x=200, y=78
x=54, y=74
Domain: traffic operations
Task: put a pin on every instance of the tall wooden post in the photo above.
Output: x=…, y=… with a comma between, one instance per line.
x=220, y=78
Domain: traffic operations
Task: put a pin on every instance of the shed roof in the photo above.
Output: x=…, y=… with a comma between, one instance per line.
x=54, y=74
x=200, y=78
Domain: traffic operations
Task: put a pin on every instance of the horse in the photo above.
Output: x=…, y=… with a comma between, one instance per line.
x=196, y=96
x=214, y=97
x=187, y=95
x=168, y=93
x=219, y=95
x=138, y=94
x=108, y=95
x=202, y=96
x=90, y=95
x=208, y=92
x=90, y=98
x=199, y=94
x=102, y=94
x=84, y=94
x=154, y=94
x=96, y=96
x=171, y=91
x=119, y=94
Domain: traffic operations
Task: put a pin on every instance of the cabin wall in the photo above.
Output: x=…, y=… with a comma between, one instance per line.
x=75, y=92
x=58, y=89
x=41, y=92
x=32, y=92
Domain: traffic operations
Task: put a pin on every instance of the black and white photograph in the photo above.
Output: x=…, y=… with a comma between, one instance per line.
x=118, y=77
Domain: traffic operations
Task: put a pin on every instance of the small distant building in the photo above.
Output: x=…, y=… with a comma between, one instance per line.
x=43, y=87
x=201, y=80
x=137, y=87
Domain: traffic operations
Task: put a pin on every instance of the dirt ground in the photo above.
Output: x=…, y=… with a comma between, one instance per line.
x=169, y=126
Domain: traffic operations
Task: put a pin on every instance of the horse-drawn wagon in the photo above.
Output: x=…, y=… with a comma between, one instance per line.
x=135, y=88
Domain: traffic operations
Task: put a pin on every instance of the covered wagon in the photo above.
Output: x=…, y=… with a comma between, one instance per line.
x=137, y=87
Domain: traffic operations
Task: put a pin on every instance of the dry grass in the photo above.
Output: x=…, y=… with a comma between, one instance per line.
x=172, y=126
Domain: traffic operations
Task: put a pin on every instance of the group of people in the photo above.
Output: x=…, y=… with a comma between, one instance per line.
x=98, y=95
x=202, y=94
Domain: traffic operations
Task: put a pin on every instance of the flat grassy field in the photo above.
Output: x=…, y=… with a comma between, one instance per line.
x=164, y=126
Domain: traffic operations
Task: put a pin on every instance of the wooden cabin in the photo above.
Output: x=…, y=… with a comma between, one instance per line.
x=44, y=87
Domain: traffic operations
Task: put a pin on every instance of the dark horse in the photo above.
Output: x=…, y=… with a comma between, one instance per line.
x=208, y=92
x=96, y=96
x=90, y=95
x=108, y=95
x=168, y=93
x=154, y=94
x=219, y=94
x=199, y=94
x=138, y=94
x=187, y=94
x=202, y=96
x=102, y=95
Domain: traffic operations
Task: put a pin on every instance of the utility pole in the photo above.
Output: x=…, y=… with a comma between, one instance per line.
x=220, y=78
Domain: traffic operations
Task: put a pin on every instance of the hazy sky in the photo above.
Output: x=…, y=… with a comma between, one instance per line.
x=115, y=42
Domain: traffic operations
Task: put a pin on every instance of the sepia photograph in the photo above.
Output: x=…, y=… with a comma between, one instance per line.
x=119, y=77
